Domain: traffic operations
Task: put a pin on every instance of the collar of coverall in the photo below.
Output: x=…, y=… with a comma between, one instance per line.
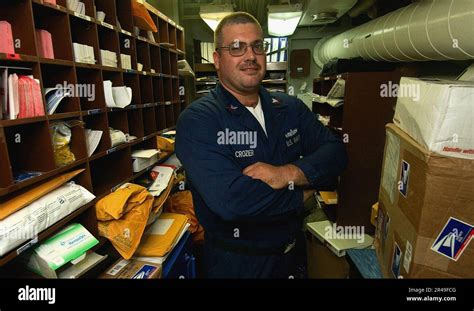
x=234, y=107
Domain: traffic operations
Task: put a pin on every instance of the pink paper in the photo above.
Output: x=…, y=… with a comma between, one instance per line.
x=37, y=98
x=31, y=101
x=45, y=43
x=6, y=39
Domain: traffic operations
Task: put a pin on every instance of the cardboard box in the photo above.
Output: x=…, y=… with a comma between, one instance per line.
x=426, y=212
x=132, y=269
x=322, y=262
x=438, y=115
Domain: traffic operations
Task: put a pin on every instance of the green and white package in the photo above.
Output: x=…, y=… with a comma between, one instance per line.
x=69, y=245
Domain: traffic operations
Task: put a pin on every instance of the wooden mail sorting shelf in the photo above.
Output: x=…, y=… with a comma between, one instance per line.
x=360, y=121
x=26, y=146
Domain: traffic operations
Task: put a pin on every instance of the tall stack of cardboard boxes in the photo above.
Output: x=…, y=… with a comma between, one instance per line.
x=426, y=202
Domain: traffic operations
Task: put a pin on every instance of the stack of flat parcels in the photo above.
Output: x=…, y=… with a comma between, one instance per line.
x=159, y=201
x=165, y=144
x=132, y=269
x=54, y=96
x=438, y=115
x=83, y=53
x=184, y=68
x=23, y=217
x=77, y=269
x=108, y=58
x=162, y=175
x=20, y=95
x=160, y=238
x=29, y=97
x=126, y=61
x=335, y=96
x=170, y=134
x=159, y=260
x=173, y=162
x=141, y=159
x=425, y=217
x=339, y=239
x=76, y=6
x=328, y=197
x=60, y=255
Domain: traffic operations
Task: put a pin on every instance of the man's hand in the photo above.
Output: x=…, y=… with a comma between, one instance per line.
x=277, y=177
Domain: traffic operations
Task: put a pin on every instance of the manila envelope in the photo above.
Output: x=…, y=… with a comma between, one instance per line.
x=18, y=202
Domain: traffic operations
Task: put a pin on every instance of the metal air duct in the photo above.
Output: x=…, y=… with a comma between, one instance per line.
x=422, y=31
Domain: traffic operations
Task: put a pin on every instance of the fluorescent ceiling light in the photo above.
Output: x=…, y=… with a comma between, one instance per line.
x=283, y=19
x=213, y=14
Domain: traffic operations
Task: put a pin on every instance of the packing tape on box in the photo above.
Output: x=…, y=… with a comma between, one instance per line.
x=429, y=258
x=389, y=238
x=390, y=166
x=421, y=252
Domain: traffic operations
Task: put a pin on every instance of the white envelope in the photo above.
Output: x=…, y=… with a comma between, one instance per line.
x=109, y=97
x=148, y=153
x=122, y=96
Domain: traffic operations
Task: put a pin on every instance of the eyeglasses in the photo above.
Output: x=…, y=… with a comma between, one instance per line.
x=238, y=48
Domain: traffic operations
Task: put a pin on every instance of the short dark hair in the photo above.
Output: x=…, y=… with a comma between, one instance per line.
x=232, y=19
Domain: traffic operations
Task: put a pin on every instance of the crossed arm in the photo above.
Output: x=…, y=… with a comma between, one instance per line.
x=260, y=190
x=279, y=177
x=324, y=158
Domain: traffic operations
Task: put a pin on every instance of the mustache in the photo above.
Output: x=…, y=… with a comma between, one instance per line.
x=250, y=64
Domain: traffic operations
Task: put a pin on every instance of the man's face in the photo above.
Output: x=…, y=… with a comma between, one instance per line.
x=242, y=74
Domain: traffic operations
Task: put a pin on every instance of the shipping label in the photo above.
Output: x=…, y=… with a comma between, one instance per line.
x=404, y=175
x=453, y=239
x=396, y=260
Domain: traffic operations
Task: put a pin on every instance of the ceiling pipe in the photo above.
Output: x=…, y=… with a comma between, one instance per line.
x=361, y=7
x=422, y=31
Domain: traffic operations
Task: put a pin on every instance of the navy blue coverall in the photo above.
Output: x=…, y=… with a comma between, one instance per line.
x=249, y=226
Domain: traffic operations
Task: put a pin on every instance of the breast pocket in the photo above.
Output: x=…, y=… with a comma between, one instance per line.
x=291, y=143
